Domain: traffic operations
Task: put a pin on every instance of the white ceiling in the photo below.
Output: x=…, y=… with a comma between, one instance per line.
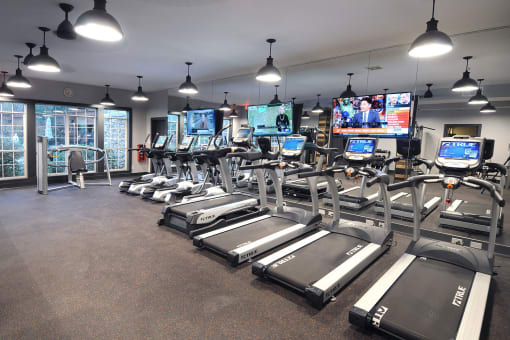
x=225, y=38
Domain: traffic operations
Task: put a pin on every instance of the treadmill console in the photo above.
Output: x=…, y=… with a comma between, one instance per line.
x=360, y=149
x=186, y=144
x=244, y=136
x=456, y=154
x=293, y=146
x=160, y=142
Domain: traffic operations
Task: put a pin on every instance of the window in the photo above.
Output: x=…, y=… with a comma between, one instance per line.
x=67, y=125
x=12, y=140
x=116, y=138
x=173, y=122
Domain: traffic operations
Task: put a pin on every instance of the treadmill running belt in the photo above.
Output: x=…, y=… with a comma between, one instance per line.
x=235, y=238
x=426, y=302
x=314, y=261
x=209, y=203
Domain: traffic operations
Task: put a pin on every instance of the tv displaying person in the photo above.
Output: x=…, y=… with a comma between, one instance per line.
x=366, y=117
x=203, y=124
x=405, y=98
x=282, y=120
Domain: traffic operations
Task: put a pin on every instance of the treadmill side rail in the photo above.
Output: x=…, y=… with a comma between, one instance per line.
x=197, y=240
x=472, y=319
x=205, y=216
x=377, y=291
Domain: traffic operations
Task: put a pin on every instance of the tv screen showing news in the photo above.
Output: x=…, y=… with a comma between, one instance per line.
x=380, y=115
x=200, y=122
x=294, y=143
x=459, y=150
x=361, y=145
x=271, y=120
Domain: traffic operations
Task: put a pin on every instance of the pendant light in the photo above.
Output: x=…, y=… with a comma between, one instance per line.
x=29, y=55
x=18, y=80
x=225, y=107
x=4, y=90
x=97, y=24
x=188, y=87
x=478, y=98
x=139, y=96
x=465, y=84
x=317, y=108
x=65, y=29
x=43, y=62
x=305, y=115
x=234, y=114
x=428, y=93
x=187, y=107
x=275, y=100
x=488, y=108
x=432, y=43
x=107, y=100
x=348, y=91
x=269, y=73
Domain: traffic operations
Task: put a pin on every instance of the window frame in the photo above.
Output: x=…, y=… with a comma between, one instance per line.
x=25, y=146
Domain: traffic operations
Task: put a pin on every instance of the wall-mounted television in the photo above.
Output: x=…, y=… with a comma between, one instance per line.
x=380, y=115
x=200, y=122
x=271, y=120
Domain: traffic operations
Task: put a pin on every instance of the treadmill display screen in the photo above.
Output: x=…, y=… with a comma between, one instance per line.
x=361, y=146
x=459, y=150
x=243, y=133
x=294, y=143
x=160, y=142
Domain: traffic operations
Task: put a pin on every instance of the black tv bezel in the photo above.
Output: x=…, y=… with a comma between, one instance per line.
x=273, y=135
x=347, y=135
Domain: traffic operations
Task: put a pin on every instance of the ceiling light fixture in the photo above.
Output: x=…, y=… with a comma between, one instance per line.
x=225, y=107
x=234, y=114
x=428, y=93
x=488, y=108
x=433, y=42
x=305, y=115
x=43, y=62
x=18, y=80
x=4, y=90
x=139, y=96
x=465, y=84
x=97, y=24
x=478, y=98
x=107, y=100
x=187, y=107
x=29, y=55
x=275, y=100
x=318, y=108
x=188, y=87
x=269, y=73
x=66, y=30
x=348, y=91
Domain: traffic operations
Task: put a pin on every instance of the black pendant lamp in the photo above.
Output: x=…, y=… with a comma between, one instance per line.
x=433, y=42
x=98, y=24
x=43, y=62
x=225, y=107
x=66, y=30
x=428, y=93
x=234, y=114
x=18, y=80
x=465, y=84
x=187, y=107
x=305, y=115
x=275, y=100
x=4, y=90
x=188, y=87
x=488, y=108
x=29, y=55
x=269, y=73
x=478, y=98
x=318, y=108
x=348, y=91
x=139, y=95
x=107, y=100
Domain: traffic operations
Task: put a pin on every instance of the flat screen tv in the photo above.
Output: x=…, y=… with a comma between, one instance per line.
x=380, y=115
x=200, y=122
x=271, y=120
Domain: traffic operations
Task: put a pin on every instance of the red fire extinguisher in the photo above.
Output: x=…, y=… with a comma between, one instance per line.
x=141, y=154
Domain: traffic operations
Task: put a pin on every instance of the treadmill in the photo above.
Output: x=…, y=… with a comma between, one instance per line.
x=240, y=242
x=468, y=216
x=436, y=289
x=402, y=203
x=359, y=153
x=204, y=213
x=323, y=263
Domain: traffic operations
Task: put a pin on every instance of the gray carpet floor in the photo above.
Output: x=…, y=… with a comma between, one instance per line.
x=94, y=264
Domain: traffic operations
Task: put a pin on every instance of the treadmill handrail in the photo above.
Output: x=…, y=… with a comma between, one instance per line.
x=428, y=163
x=498, y=167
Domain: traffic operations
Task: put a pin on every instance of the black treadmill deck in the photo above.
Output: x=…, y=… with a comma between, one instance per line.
x=426, y=302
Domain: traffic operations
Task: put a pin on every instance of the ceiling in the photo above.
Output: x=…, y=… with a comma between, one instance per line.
x=226, y=38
